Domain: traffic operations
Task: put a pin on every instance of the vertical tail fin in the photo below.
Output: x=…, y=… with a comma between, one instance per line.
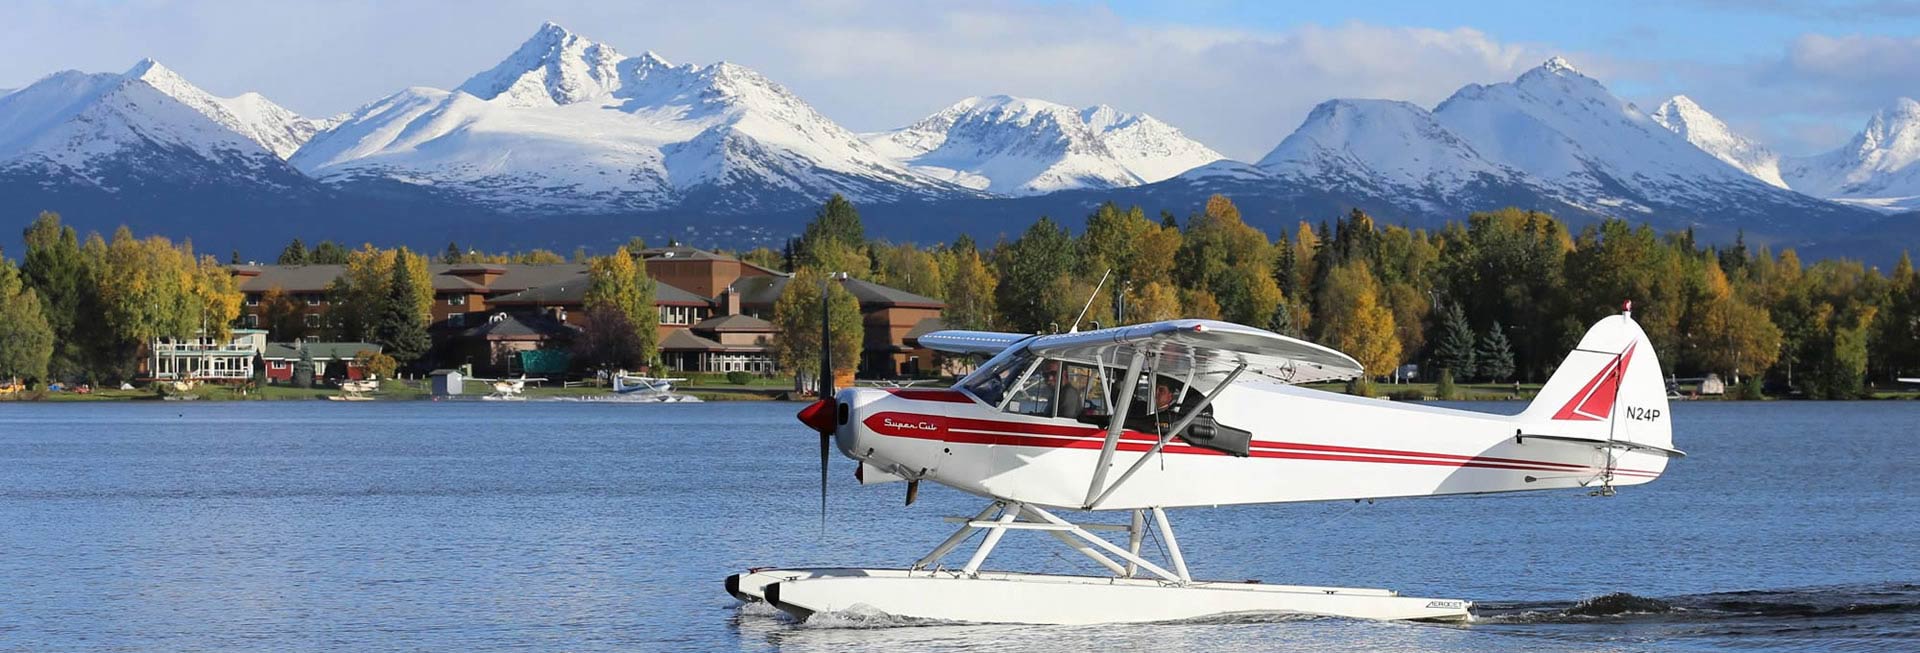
x=1609, y=388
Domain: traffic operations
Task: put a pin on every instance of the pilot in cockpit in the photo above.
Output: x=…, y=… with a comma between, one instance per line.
x=1172, y=401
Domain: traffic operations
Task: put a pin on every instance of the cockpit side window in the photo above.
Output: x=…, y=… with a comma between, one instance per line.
x=1038, y=392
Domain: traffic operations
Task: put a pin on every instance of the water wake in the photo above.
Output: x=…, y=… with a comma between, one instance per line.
x=1749, y=605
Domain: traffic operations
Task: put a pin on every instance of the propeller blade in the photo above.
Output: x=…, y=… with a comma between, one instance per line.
x=913, y=490
x=826, y=345
x=826, y=394
x=823, y=479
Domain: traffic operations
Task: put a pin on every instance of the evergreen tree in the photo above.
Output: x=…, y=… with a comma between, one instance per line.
x=452, y=255
x=837, y=222
x=1455, y=348
x=329, y=253
x=303, y=368
x=1028, y=270
x=235, y=259
x=57, y=271
x=1494, y=358
x=1282, y=321
x=401, y=328
x=295, y=253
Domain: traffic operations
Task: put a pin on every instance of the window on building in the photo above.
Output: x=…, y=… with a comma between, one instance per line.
x=253, y=299
x=313, y=320
x=313, y=300
x=250, y=321
x=677, y=315
x=457, y=320
x=456, y=300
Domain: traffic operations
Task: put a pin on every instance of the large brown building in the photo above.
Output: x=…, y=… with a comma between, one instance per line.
x=714, y=311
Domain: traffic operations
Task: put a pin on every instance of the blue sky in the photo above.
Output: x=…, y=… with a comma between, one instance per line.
x=1801, y=77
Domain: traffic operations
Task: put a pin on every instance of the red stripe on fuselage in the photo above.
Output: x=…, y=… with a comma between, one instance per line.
x=1026, y=434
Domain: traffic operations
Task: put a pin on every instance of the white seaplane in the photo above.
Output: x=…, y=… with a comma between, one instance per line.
x=356, y=390
x=649, y=389
x=505, y=389
x=1141, y=419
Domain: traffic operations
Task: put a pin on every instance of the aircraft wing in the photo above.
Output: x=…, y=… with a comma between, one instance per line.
x=971, y=342
x=1203, y=347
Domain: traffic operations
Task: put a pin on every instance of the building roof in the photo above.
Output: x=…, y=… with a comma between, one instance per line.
x=573, y=291
x=762, y=292
x=682, y=252
x=519, y=326
x=570, y=290
x=872, y=293
x=925, y=326
x=684, y=340
x=734, y=323
x=320, y=350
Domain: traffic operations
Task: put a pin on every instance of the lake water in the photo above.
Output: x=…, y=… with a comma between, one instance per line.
x=317, y=526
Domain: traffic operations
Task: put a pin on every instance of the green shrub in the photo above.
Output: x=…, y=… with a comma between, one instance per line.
x=1752, y=389
x=1360, y=387
x=1408, y=395
x=739, y=378
x=1445, y=389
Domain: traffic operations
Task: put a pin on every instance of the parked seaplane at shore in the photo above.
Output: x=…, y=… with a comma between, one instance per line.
x=1138, y=420
x=648, y=389
x=507, y=389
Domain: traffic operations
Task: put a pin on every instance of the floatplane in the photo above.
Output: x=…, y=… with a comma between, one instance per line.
x=356, y=390
x=649, y=388
x=1138, y=420
x=505, y=389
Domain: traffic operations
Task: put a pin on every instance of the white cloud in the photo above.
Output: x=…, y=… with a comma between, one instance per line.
x=869, y=64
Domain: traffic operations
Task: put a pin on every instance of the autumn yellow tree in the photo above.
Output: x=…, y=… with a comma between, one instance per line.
x=796, y=315
x=617, y=283
x=909, y=268
x=1230, y=260
x=359, y=297
x=1152, y=302
x=969, y=292
x=1354, y=320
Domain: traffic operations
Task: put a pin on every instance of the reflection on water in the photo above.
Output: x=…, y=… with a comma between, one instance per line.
x=325, y=526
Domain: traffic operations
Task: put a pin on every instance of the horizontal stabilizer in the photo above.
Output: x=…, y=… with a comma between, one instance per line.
x=1522, y=438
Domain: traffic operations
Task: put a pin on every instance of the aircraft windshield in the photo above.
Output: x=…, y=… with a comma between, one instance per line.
x=991, y=382
x=1042, y=388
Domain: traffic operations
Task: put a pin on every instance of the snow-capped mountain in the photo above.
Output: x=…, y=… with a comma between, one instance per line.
x=1681, y=115
x=143, y=126
x=1554, y=140
x=1875, y=169
x=568, y=124
x=1386, y=150
x=1017, y=146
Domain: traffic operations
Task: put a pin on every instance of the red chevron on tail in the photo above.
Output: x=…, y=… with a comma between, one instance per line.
x=1594, y=401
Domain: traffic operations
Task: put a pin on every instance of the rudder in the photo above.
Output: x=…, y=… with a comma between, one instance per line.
x=1609, y=388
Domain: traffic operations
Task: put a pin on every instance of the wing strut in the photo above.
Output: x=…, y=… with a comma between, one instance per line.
x=1179, y=426
x=1122, y=401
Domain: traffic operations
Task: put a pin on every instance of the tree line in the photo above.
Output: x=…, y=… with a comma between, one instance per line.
x=1500, y=296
